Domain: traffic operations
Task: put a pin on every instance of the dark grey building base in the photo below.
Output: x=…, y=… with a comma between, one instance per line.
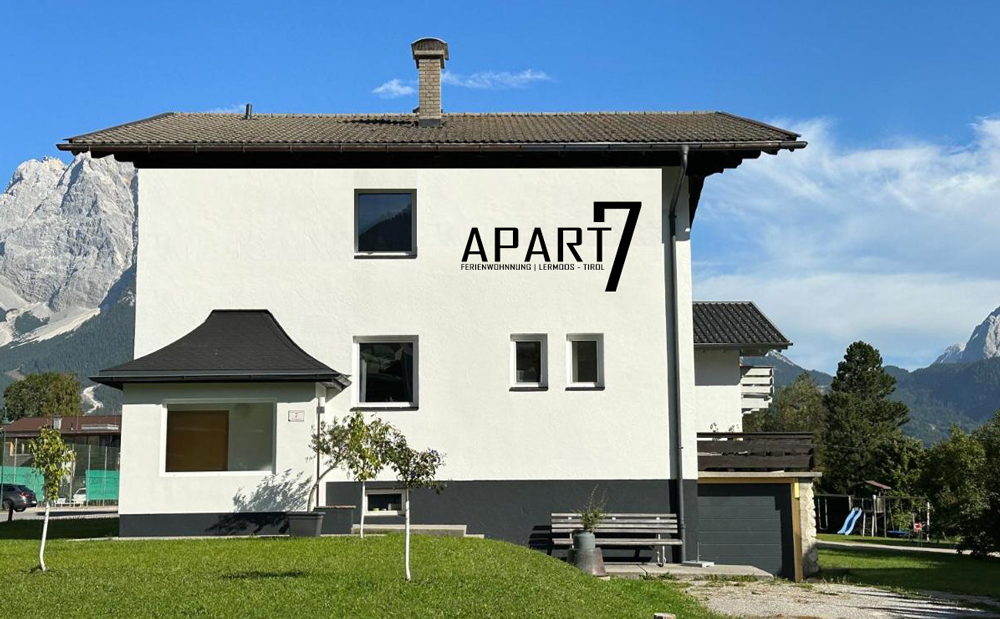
x=520, y=511
x=335, y=521
x=513, y=511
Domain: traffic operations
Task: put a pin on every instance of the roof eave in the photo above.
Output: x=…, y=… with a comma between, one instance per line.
x=755, y=346
x=118, y=379
x=340, y=147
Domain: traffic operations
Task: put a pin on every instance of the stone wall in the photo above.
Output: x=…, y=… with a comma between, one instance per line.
x=807, y=527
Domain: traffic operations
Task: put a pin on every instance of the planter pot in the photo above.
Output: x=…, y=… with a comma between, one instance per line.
x=305, y=524
x=586, y=555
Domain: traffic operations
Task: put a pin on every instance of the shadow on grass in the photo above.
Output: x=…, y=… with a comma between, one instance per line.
x=257, y=575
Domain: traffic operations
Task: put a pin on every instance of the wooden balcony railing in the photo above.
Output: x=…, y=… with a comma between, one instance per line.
x=759, y=451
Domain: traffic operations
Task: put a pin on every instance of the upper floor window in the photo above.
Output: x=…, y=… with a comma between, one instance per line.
x=385, y=223
x=528, y=360
x=586, y=361
x=386, y=371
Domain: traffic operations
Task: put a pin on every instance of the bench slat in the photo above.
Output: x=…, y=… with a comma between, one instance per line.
x=624, y=542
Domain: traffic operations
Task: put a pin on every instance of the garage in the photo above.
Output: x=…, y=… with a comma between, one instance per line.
x=747, y=524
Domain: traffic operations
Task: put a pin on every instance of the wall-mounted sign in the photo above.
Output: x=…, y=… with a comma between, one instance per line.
x=296, y=415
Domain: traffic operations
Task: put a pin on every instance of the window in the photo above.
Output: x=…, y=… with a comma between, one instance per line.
x=528, y=359
x=387, y=371
x=385, y=223
x=220, y=437
x=586, y=361
x=383, y=503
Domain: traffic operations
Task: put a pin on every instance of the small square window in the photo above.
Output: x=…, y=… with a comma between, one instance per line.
x=387, y=372
x=383, y=503
x=585, y=354
x=529, y=358
x=385, y=223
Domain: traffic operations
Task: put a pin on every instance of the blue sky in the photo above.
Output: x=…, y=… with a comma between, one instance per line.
x=884, y=235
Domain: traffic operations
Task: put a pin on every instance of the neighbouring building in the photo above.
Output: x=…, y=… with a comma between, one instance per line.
x=512, y=289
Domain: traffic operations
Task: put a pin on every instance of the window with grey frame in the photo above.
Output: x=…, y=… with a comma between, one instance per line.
x=385, y=223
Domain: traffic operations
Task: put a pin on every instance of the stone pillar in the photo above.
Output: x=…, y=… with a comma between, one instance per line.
x=807, y=527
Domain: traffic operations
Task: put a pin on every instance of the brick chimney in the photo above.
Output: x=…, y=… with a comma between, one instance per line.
x=430, y=54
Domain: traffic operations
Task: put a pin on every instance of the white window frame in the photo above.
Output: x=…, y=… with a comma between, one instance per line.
x=359, y=382
x=584, y=337
x=371, y=491
x=217, y=402
x=543, y=376
x=413, y=226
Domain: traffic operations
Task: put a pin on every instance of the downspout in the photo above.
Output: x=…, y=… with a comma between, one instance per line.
x=675, y=369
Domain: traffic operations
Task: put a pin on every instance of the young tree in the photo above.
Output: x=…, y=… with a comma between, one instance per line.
x=332, y=442
x=49, y=394
x=50, y=455
x=368, y=446
x=860, y=418
x=414, y=469
x=796, y=408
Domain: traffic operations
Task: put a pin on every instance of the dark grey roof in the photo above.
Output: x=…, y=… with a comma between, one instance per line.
x=731, y=324
x=285, y=132
x=231, y=345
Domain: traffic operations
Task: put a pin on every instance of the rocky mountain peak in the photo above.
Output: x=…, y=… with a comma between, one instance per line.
x=984, y=343
x=67, y=232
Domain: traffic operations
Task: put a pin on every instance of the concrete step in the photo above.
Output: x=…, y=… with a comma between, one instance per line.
x=685, y=572
x=443, y=530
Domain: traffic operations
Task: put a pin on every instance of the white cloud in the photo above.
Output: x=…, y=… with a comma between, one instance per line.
x=229, y=109
x=495, y=80
x=393, y=89
x=895, y=245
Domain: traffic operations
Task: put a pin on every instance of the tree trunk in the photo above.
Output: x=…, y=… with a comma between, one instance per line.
x=45, y=532
x=406, y=543
x=364, y=508
x=10, y=513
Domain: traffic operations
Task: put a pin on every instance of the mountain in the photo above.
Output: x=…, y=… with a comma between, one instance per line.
x=938, y=396
x=67, y=250
x=984, y=343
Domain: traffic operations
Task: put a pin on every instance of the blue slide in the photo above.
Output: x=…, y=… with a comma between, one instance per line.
x=852, y=519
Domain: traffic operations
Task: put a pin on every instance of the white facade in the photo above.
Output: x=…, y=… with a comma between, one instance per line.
x=283, y=239
x=717, y=384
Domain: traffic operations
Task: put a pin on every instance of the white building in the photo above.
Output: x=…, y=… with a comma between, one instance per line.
x=513, y=290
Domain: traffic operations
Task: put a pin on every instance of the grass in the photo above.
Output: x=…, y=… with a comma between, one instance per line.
x=912, y=571
x=334, y=577
x=886, y=541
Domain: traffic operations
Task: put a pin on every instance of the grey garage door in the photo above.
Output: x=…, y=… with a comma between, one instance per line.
x=747, y=524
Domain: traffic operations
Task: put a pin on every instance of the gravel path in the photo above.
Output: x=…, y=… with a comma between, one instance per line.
x=832, y=601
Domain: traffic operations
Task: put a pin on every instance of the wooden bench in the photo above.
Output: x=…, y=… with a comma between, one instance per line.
x=629, y=530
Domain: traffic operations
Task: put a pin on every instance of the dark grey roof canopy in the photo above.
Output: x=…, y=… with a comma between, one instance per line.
x=230, y=346
x=727, y=324
x=206, y=132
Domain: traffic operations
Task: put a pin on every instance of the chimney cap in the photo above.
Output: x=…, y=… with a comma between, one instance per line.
x=429, y=47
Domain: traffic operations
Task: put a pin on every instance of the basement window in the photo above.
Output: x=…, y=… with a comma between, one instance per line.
x=206, y=438
x=385, y=223
x=585, y=353
x=387, y=372
x=383, y=503
x=528, y=360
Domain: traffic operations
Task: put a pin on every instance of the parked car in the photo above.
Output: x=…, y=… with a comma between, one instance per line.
x=17, y=496
x=79, y=497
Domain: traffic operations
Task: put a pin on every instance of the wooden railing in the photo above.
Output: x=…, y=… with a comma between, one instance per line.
x=759, y=451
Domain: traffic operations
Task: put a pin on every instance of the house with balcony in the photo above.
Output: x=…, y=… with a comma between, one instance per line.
x=512, y=289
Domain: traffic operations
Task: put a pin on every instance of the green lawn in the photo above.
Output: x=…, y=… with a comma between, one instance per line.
x=912, y=570
x=328, y=577
x=888, y=541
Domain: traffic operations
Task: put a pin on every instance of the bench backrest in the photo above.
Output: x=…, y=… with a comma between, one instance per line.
x=618, y=523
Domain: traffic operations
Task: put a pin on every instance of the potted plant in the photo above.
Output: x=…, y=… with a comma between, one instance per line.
x=332, y=442
x=585, y=553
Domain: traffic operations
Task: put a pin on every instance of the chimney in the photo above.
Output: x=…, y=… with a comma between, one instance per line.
x=430, y=54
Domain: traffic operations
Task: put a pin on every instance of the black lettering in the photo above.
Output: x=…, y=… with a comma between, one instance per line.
x=570, y=245
x=498, y=245
x=600, y=239
x=474, y=236
x=600, y=208
x=544, y=252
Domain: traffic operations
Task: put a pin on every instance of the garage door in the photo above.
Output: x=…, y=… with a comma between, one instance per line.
x=747, y=524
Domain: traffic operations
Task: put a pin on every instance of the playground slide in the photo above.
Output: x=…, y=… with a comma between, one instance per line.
x=852, y=519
